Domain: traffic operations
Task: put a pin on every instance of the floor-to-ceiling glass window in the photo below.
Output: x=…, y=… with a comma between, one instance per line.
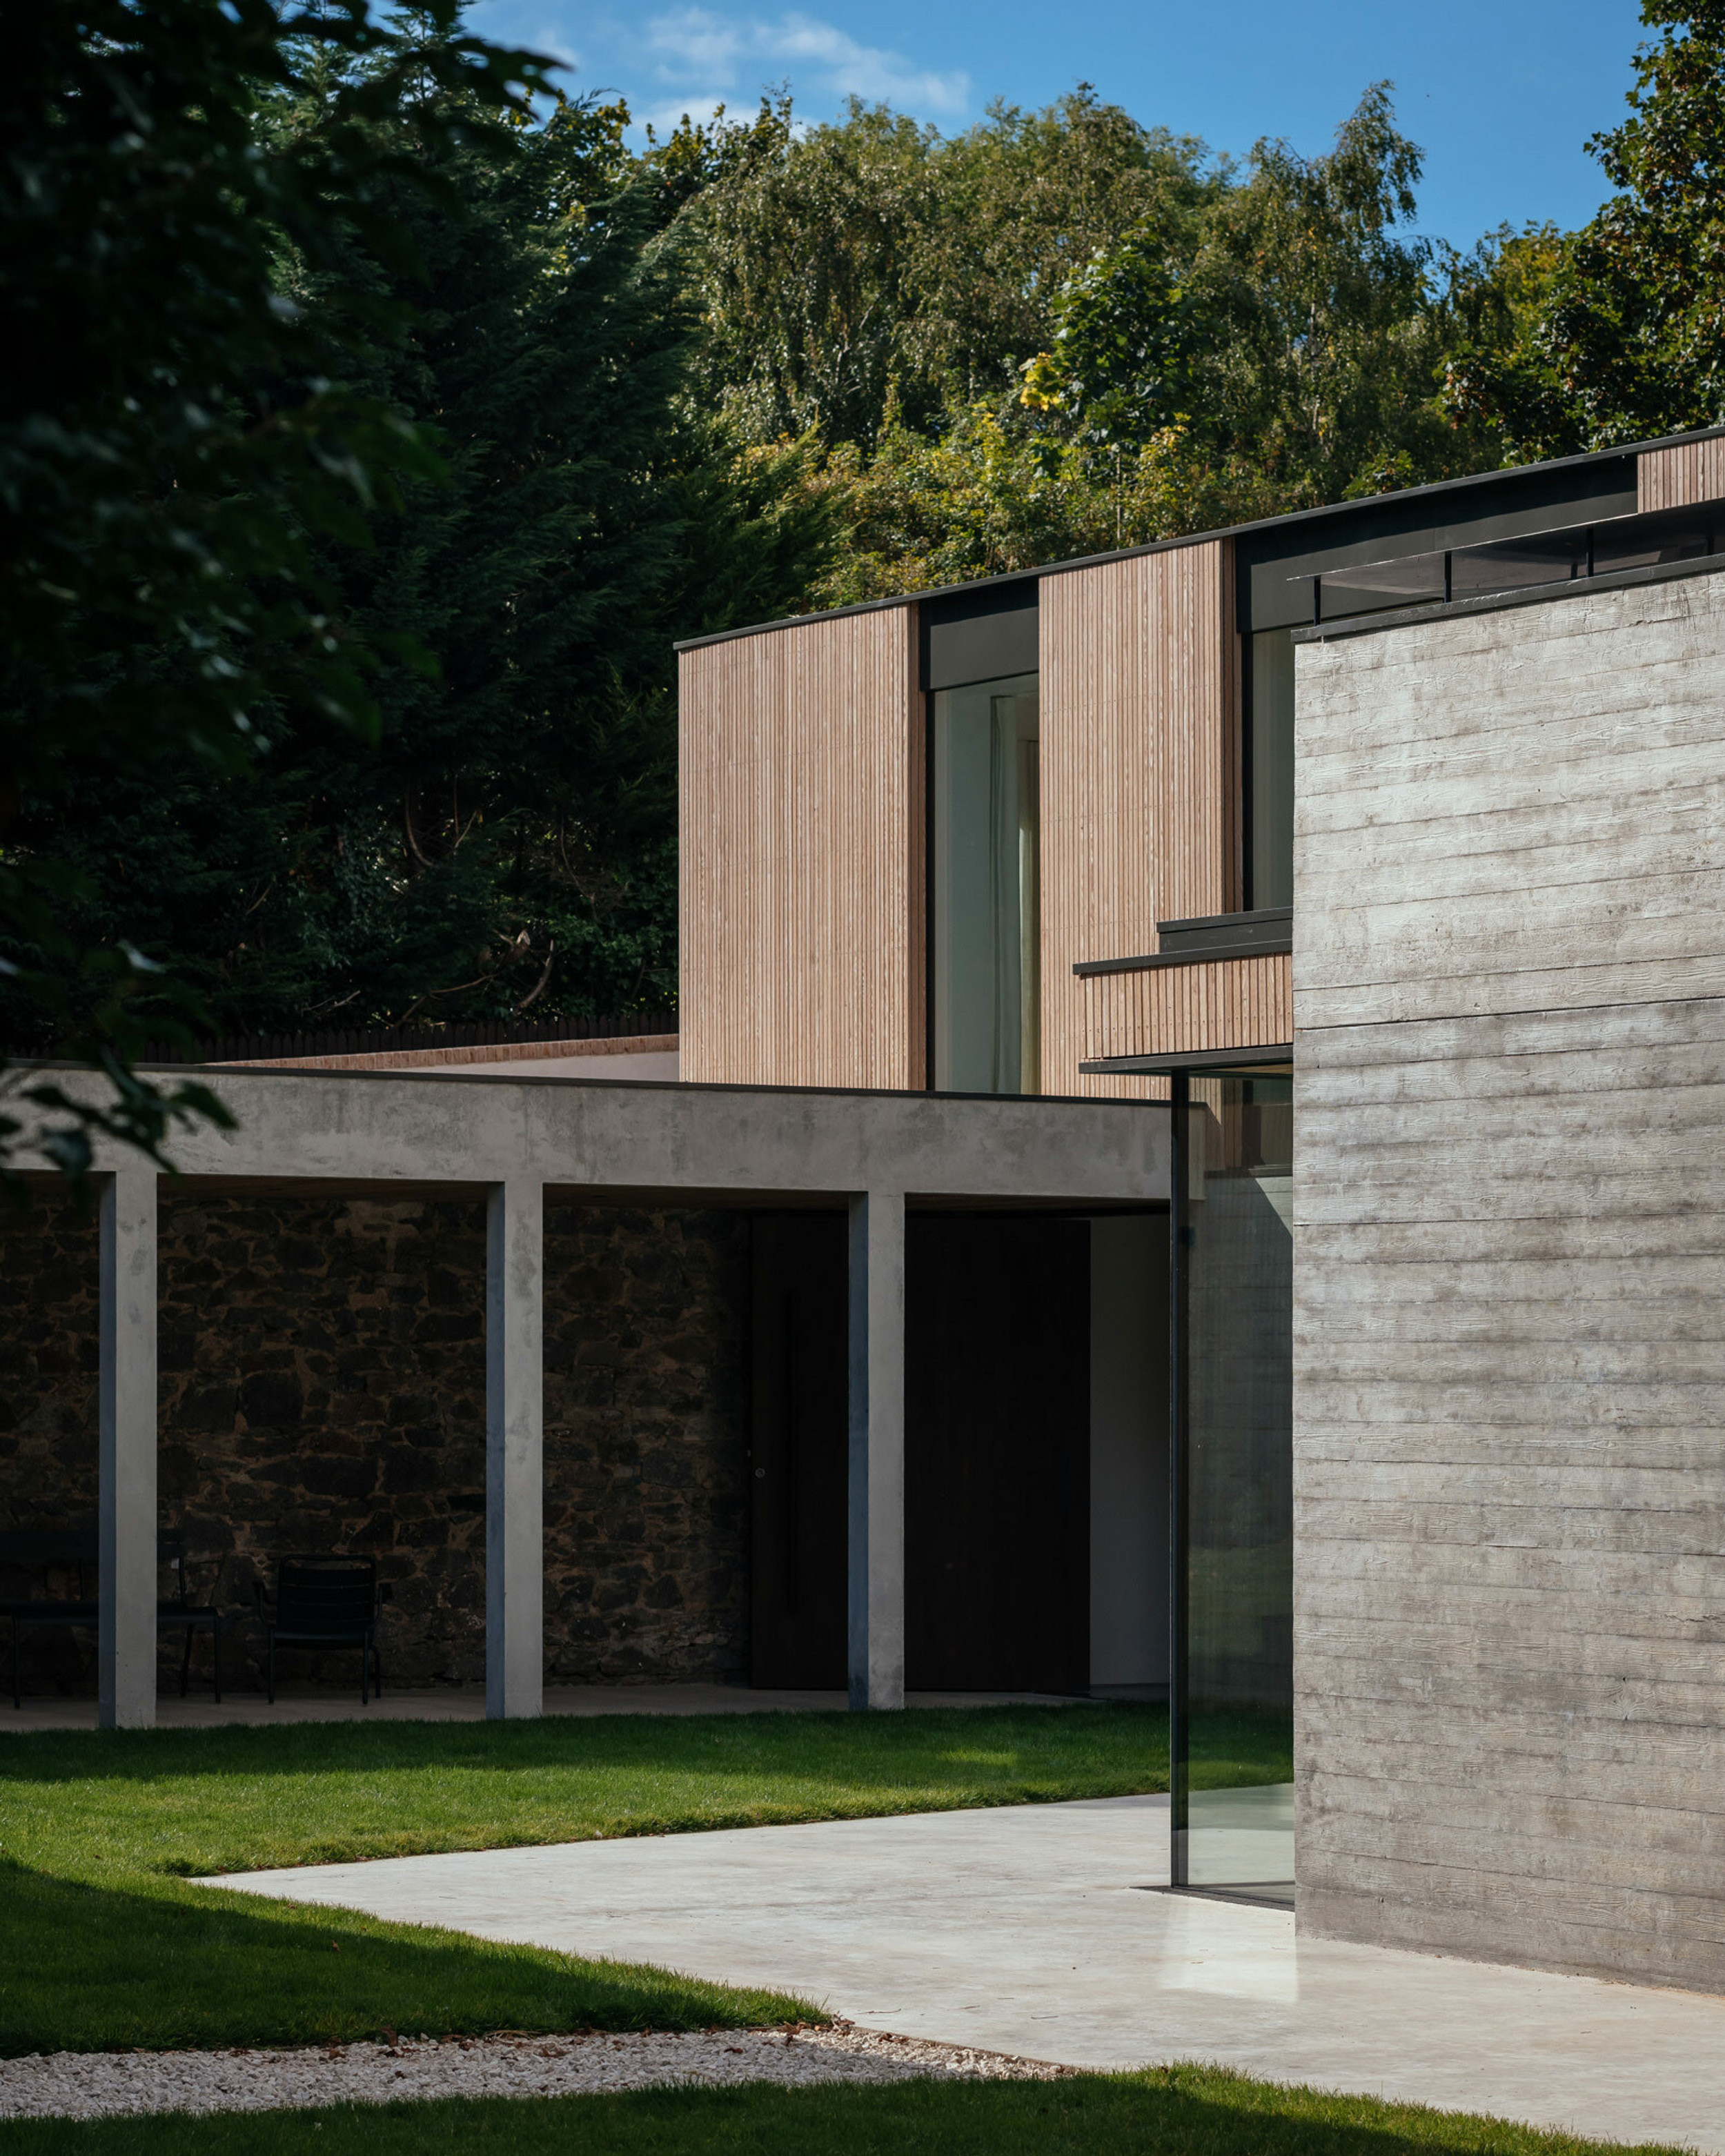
x=986, y=976
x=1234, y=1685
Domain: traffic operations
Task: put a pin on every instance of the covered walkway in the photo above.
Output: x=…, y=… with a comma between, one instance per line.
x=526, y=1143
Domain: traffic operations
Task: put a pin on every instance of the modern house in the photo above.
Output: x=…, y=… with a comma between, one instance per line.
x=1384, y=844
x=1193, y=1168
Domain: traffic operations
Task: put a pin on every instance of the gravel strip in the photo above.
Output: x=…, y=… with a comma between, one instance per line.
x=95, y=2084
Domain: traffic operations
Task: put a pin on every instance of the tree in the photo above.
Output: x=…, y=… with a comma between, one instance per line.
x=503, y=840
x=1227, y=344
x=1292, y=337
x=1628, y=341
x=177, y=440
x=872, y=267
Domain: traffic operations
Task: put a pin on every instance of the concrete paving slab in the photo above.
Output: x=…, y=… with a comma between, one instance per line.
x=452, y=1704
x=1043, y=1930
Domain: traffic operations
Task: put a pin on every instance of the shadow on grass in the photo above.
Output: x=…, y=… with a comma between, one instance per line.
x=90, y=1968
x=1184, y=2111
x=1045, y=1736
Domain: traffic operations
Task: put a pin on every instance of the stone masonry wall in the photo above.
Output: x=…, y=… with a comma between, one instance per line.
x=322, y=1388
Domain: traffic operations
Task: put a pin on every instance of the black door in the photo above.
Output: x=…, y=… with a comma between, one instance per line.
x=800, y=1445
x=997, y=1453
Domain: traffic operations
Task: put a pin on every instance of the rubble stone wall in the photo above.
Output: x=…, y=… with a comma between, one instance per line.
x=322, y=1388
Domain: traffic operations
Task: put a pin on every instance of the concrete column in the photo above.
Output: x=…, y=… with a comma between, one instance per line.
x=877, y=1450
x=515, y=1462
x=125, y=1678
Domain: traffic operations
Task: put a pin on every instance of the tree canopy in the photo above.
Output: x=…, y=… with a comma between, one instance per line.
x=1626, y=341
x=177, y=439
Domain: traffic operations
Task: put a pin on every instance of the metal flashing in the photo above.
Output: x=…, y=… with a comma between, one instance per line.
x=1208, y=954
x=1263, y=933
x=1274, y=1060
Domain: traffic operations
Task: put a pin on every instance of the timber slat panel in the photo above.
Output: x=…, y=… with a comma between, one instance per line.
x=1232, y=1002
x=801, y=799
x=1673, y=478
x=1140, y=811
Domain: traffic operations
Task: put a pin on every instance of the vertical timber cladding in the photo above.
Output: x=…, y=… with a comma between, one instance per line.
x=801, y=779
x=1687, y=472
x=1140, y=809
x=1235, y=1002
x=1509, y=1384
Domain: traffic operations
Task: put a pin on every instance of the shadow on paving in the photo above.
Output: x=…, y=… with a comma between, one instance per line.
x=1182, y=2112
x=168, y=1966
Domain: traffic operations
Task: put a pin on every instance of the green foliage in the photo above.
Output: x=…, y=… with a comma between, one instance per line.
x=178, y=441
x=1289, y=335
x=871, y=269
x=499, y=838
x=1062, y=333
x=1627, y=341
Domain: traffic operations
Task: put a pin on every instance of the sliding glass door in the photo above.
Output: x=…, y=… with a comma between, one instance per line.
x=986, y=982
x=1233, y=1680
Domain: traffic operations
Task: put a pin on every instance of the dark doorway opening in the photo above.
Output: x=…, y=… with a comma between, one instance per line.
x=997, y=1452
x=798, y=1451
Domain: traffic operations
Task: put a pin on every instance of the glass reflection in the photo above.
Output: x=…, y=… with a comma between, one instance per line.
x=1238, y=1631
x=987, y=983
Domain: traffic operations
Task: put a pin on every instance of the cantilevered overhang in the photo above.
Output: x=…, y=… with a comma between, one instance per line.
x=1217, y=994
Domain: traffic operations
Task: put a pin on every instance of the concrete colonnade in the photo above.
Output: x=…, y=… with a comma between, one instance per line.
x=515, y=1293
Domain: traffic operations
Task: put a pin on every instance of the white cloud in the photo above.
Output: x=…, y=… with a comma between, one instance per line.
x=698, y=44
x=663, y=119
x=534, y=28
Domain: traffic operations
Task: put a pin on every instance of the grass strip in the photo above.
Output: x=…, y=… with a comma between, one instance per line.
x=104, y=1944
x=1180, y=2110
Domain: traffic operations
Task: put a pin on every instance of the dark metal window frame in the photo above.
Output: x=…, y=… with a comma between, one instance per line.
x=1179, y=1477
x=1006, y=601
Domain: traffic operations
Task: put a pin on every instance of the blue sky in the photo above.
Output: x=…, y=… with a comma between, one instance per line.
x=1501, y=94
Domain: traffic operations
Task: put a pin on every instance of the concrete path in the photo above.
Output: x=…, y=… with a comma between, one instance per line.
x=447, y=1704
x=1038, y=1930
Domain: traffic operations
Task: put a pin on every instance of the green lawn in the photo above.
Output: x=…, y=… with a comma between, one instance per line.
x=104, y=1944
x=1183, y=2111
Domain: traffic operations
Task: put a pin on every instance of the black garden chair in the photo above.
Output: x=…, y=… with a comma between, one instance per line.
x=59, y=1565
x=69, y=1556
x=180, y=1610
x=327, y=1602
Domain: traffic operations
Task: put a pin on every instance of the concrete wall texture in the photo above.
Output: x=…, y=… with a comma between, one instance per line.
x=323, y=1387
x=1509, y=1405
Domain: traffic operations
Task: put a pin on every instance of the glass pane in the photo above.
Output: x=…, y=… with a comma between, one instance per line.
x=986, y=982
x=1239, y=1685
x=1270, y=771
x=1678, y=534
x=1510, y=565
x=1413, y=581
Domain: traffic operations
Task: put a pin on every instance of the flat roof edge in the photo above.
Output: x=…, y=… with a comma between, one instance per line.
x=1293, y=516
x=457, y=1076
